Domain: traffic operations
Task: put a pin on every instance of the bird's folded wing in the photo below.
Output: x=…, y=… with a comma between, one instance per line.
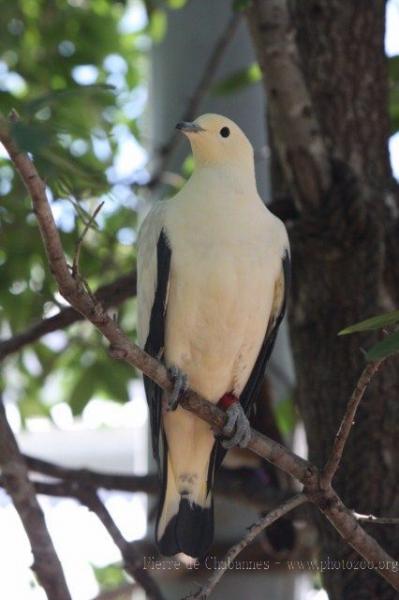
x=153, y=266
x=277, y=313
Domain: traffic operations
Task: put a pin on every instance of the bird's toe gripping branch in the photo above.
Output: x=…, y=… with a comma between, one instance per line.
x=179, y=387
x=237, y=430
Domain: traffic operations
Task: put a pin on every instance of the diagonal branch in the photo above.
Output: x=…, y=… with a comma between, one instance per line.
x=346, y=424
x=14, y=471
x=254, y=531
x=88, y=496
x=133, y=561
x=327, y=501
x=111, y=294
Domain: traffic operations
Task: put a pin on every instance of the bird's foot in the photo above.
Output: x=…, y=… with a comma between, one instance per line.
x=179, y=387
x=237, y=430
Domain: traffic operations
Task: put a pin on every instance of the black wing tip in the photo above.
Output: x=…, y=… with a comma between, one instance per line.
x=189, y=531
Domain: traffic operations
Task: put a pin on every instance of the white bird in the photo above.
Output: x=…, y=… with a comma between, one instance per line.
x=213, y=266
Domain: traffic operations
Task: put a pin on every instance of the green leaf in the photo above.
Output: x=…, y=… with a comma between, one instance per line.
x=83, y=390
x=238, y=80
x=285, y=415
x=109, y=577
x=56, y=96
x=116, y=381
x=393, y=68
x=394, y=108
x=377, y=322
x=158, y=25
x=31, y=405
x=241, y=5
x=176, y=4
x=30, y=138
x=188, y=165
x=386, y=347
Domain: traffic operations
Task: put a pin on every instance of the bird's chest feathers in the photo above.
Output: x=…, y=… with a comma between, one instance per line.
x=223, y=269
x=219, y=264
x=217, y=267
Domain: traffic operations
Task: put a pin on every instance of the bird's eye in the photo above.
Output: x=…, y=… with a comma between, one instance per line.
x=225, y=132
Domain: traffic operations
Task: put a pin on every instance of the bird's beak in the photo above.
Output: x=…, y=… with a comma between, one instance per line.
x=187, y=127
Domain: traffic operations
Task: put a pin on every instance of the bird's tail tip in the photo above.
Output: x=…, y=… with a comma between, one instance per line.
x=189, y=530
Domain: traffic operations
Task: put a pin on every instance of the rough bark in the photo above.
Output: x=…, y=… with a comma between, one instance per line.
x=340, y=261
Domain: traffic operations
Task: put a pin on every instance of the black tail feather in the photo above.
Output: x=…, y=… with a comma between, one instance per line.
x=189, y=531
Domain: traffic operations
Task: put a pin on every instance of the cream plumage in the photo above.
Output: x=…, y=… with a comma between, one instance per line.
x=212, y=279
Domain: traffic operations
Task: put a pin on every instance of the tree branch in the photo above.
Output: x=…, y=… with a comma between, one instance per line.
x=298, y=137
x=253, y=531
x=111, y=294
x=229, y=483
x=131, y=551
x=347, y=422
x=71, y=477
x=327, y=501
x=14, y=471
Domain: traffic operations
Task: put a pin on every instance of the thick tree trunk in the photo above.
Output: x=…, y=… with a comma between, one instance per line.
x=340, y=262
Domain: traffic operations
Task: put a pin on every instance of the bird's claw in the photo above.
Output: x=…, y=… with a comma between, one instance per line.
x=179, y=387
x=237, y=430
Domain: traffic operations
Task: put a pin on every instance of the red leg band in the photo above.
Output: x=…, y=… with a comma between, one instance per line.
x=226, y=401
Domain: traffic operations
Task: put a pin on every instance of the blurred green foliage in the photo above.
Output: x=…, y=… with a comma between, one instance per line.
x=394, y=93
x=238, y=80
x=285, y=415
x=75, y=72
x=109, y=577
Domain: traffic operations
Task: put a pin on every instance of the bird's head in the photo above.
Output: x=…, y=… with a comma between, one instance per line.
x=216, y=140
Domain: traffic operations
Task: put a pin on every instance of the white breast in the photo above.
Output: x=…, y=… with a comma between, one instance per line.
x=225, y=261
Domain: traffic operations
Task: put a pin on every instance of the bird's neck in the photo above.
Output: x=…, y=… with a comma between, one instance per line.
x=237, y=179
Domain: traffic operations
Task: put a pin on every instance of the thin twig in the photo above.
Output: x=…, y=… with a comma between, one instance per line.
x=376, y=520
x=253, y=531
x=122, y=348
x=76, y=258
x=201, y=90
x=14, y=471
x=347, y=422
